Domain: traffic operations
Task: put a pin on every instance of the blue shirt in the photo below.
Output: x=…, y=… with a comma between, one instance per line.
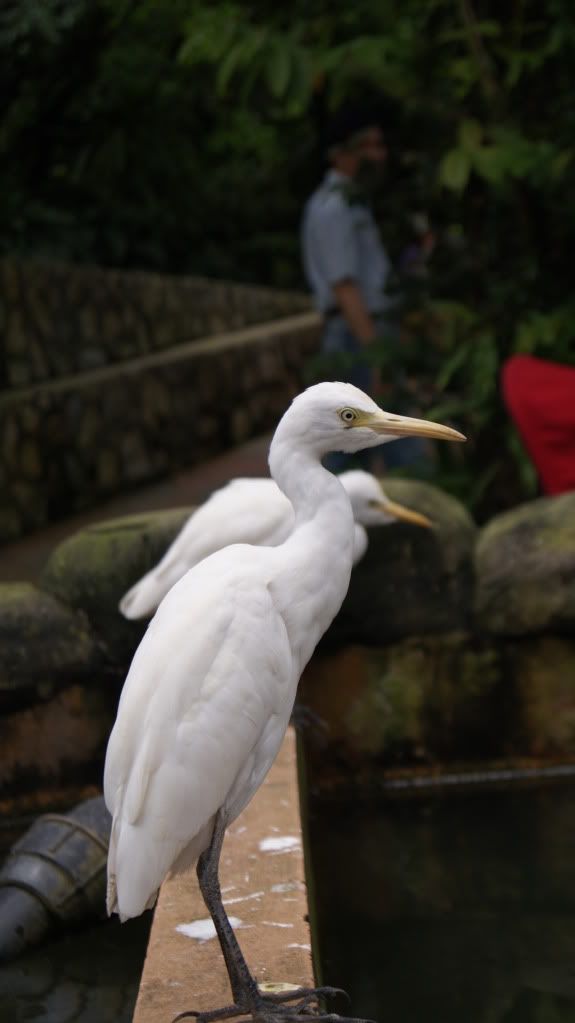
x=340, y=241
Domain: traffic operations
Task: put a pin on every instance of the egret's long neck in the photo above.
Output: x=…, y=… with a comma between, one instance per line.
x=317, y=556
x=311, y=489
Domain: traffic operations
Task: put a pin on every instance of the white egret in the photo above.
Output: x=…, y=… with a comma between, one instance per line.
x=255, y=511
x=211, y=687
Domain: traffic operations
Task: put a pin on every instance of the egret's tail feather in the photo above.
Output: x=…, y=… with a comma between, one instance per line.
x=111, y=895
x=112, y=900
x=138, y=861
x=142, y=600
x=111, y=888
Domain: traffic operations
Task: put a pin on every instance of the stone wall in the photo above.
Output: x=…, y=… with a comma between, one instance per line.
x=69, y=444
x=58, y=320
x=454, y=649
x=115, y=379
x=462, y=655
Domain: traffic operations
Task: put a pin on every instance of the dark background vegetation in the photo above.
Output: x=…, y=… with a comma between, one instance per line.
x=183, y=136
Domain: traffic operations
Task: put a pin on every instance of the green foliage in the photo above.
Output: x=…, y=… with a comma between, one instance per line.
x=182, y=135
x=113, y=150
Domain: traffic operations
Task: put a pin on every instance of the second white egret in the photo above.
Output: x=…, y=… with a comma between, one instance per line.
x=255, y=511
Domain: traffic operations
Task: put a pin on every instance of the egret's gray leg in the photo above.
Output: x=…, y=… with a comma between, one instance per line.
x=248, y=999
x=243, y=985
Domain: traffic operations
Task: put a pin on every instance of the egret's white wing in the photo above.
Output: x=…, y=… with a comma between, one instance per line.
x=202, y=714
x=252, y=511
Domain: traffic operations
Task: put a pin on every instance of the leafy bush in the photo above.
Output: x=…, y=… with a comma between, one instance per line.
x=481, y=140
x=183, y=136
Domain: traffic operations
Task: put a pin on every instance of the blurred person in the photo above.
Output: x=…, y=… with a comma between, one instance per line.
x=347, y=267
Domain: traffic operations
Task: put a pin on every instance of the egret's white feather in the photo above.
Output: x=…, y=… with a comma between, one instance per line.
x=251, y=511
x=245, y=510
x=225, y=724
x=211, y=687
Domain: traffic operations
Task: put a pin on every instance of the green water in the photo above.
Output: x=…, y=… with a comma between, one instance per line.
x=455, y=908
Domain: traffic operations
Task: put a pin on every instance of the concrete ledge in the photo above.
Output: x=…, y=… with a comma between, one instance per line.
x=262, y=877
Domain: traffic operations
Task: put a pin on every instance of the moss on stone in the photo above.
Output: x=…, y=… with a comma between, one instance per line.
x=445, y=699
x=411, y=580
x=43, y=643
x=525, y=565
x=94, y=568
x=429, y=698
x=542, y=671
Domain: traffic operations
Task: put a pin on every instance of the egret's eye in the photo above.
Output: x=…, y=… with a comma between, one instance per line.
x=348, y=415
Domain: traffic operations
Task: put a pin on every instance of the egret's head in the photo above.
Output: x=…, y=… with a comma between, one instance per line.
x=340, y=417
x=371, y=505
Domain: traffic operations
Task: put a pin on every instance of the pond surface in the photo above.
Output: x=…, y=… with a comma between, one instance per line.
x=87, y=975
x=90, y=976
x=452, y=908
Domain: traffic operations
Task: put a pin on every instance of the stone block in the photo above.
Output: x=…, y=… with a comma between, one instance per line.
x=412, y=581
x=525, y=565
x=541, y=672
x=58, y=741
x=426, y=700
x=93, y=569
x=43, y=644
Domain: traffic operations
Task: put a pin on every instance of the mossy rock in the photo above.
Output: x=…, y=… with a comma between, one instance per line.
x=431, y=699
x=411, y=580
x=541, y=671
x=427, y=700
x=43, y=644
x=57, y=742
x=525, y=565
x=437, y=700
x=94, y=568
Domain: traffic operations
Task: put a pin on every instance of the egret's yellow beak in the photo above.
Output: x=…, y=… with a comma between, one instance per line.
x=405, y=426
x=404, y=514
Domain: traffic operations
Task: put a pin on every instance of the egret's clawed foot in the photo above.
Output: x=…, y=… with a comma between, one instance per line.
x=274, y=1008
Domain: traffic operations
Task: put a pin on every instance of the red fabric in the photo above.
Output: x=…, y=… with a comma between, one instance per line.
x=540, y=397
